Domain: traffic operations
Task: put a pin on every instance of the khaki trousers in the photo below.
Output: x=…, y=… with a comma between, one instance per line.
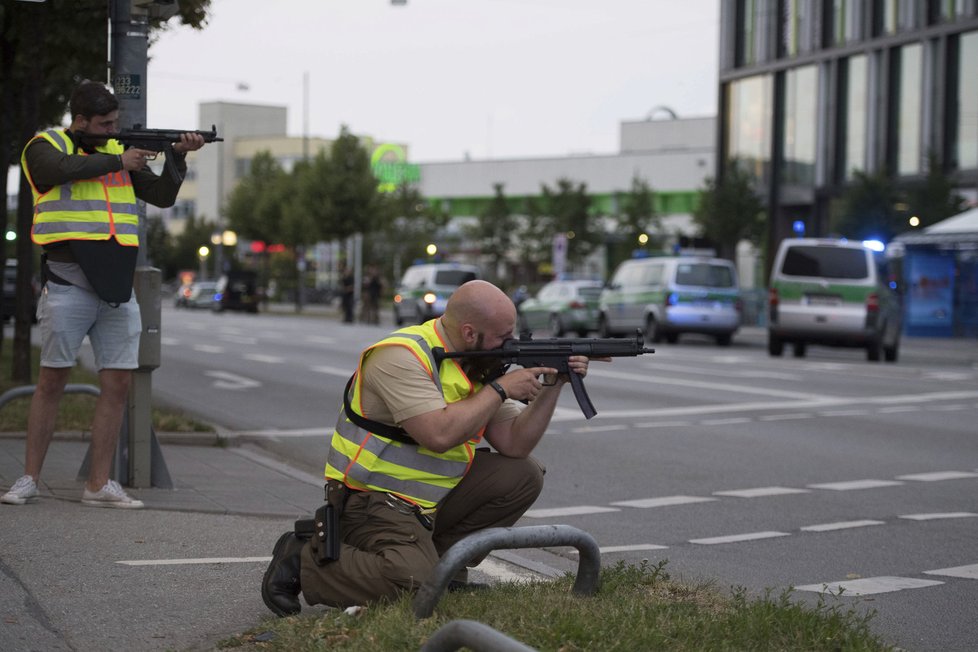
x=385, y=551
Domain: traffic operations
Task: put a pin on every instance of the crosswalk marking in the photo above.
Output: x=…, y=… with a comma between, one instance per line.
x=869, y=585
x=937, y=515
x=938, y=475
x=761, y=491
x=853, y=485
x=666, y=501
x=737, y=538
x=841, y=525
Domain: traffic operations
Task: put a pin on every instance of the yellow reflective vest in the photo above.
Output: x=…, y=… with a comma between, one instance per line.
x=367, y=461
x=87, y=209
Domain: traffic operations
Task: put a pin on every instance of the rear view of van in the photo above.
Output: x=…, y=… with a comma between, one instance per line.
x=835, y=293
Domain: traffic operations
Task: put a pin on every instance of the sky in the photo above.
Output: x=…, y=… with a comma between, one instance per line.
x=449, y=78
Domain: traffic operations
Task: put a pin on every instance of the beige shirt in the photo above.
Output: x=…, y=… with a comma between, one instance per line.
x=397, y=387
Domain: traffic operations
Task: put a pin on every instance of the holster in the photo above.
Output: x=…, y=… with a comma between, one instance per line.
x=325, y=525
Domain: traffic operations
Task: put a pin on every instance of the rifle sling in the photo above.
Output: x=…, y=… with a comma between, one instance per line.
x=395, y=433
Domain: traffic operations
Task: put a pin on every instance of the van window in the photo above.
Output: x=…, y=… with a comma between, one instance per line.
x=453, y=277
x=704, y=275
x=825, y=262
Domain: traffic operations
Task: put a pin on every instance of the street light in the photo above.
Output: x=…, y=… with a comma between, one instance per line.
x=202, y=254
x=643, y=239
x=431, y=249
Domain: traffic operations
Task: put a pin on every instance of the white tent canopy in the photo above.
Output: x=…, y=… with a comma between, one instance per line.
x=960, y=228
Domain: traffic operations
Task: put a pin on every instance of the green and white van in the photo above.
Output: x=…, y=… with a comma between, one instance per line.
x=667, y=296
x=832, y=292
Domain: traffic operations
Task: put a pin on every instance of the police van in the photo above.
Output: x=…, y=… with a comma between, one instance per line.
x=833, y=292
x=668, y=296
x=424, y=290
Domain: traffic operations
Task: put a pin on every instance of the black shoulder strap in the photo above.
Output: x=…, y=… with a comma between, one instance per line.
x=391, y=432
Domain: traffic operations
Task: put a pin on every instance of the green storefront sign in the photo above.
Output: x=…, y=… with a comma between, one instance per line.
x=389, y=164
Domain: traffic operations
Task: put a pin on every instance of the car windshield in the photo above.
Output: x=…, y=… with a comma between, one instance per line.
x=705, y=275
x=453, y=277
x=825, y=262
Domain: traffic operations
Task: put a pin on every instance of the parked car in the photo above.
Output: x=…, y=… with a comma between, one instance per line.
x=562, y=306
x=835, y=293
x=8, y=306
x=669, y=296
x=424, y=290
x=237, y=291
x=199, y=294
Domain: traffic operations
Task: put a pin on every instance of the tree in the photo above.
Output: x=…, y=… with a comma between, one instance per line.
x=869, y=209
x=36, y=41
x=730, y=211
x=636, y=217
x=569, y=211
x=407, y=223
x=352, y=204
x=935, y=199
x=495, y=230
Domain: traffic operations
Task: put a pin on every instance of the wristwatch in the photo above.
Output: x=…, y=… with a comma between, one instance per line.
x=499, y=390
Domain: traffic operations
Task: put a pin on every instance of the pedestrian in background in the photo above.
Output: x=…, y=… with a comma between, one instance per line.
x=86, y=221
x=347, y=287
x=372, y=287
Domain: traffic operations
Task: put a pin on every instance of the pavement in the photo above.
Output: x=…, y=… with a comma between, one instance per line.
x=184, y=573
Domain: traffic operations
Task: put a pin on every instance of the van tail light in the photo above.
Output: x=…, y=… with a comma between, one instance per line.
x=772, y=305
x=397, y=298
x=873, y=303
x=576, y=305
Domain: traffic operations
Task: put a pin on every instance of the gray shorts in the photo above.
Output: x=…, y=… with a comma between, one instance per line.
x=67, y=313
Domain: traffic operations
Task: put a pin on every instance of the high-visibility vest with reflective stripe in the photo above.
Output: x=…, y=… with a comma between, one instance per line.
x=87, y=209
x=368, y=461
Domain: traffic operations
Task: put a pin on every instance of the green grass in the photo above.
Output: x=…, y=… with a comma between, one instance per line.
x=76, y=410
x=637, y=608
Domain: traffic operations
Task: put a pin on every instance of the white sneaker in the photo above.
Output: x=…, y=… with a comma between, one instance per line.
x=111, y=495
x=23, y=490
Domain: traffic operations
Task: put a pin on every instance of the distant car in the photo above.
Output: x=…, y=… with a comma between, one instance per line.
x=834, y=293
x=424, y=290
x=8, y=307
x=199, y=294
x=562, y=306
x=668, y=296
x=237, y=291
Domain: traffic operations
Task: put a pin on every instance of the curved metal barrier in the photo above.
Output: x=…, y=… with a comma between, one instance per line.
x=27, y=390
x=473, y=635
x=535, y=536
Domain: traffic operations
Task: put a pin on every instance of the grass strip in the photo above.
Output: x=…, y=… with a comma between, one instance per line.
x=637, y=608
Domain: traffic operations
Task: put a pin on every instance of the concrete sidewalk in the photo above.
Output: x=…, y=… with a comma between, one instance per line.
x=181, y=574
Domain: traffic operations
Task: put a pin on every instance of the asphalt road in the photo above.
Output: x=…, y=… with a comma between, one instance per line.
x=818, y=473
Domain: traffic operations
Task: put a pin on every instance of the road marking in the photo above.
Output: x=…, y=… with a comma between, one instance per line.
x=841, y=525
x=855, y=485
x=169, y=341
x=933, y=516
x=261, y=357
x=569, y=511
x=898, y=408
x=786, y=417
x=199, y=560
x=761, y=491
x=227, y=380
x=938, y=475
x=843, y=413
x=323, y=431
x=661, y=424
x=725, y=422
x=608, y=428
x=969, y=572
x=344, y=372
x=666, y=501
x=869, y=585
x=737, y=538
x=208, y=348
x=239, y=339
x=638, y=547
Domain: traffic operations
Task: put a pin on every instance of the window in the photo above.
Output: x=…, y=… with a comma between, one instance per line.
x=855, y=115
x=966, y=145
x=909, y=87
x=801, y=91
x=704, y=275
x=825, y=262
x=749, y=121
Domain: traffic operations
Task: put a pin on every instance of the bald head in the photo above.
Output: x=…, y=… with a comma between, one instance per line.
x=479, y=307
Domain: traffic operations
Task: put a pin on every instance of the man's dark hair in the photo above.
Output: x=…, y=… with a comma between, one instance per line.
x=92, y=98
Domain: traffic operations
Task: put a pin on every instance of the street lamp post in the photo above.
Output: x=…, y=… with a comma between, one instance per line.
x=202, y=255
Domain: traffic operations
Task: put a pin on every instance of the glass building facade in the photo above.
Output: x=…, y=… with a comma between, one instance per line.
x=812, y=91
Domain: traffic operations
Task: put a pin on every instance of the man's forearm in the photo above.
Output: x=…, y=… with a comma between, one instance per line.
x=158, y=190
x=50, y=167
x=528, y=428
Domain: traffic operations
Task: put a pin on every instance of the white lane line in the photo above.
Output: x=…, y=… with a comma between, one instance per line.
x=725, y=422
x=786, y=417
x=843, y=413
x=344, y=372
x=898, y=408
x=169, y=341
x=853, y=485
x=724, y=387
x=227, y=380
x=638, y=547
x=323, y=431
x=841, y=525
x=938, y=475
x=666, y=501
x=737, y=538
x=608, y=428
x=260, y=357
x=761, y=491
x=969, y=572
x=933, y=516
x=208, y=348
x=869, y=585
x=661, y=424
x=199, y=560
x=954, y=407
x=239, y=339
x=569, y=511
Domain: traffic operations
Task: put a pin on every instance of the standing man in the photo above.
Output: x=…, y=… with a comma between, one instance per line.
x=347, y=286
x=404, y=468
x=86, y=220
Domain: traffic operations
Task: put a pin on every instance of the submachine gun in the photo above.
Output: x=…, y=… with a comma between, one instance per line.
x=154, y=140
x=555, y=352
